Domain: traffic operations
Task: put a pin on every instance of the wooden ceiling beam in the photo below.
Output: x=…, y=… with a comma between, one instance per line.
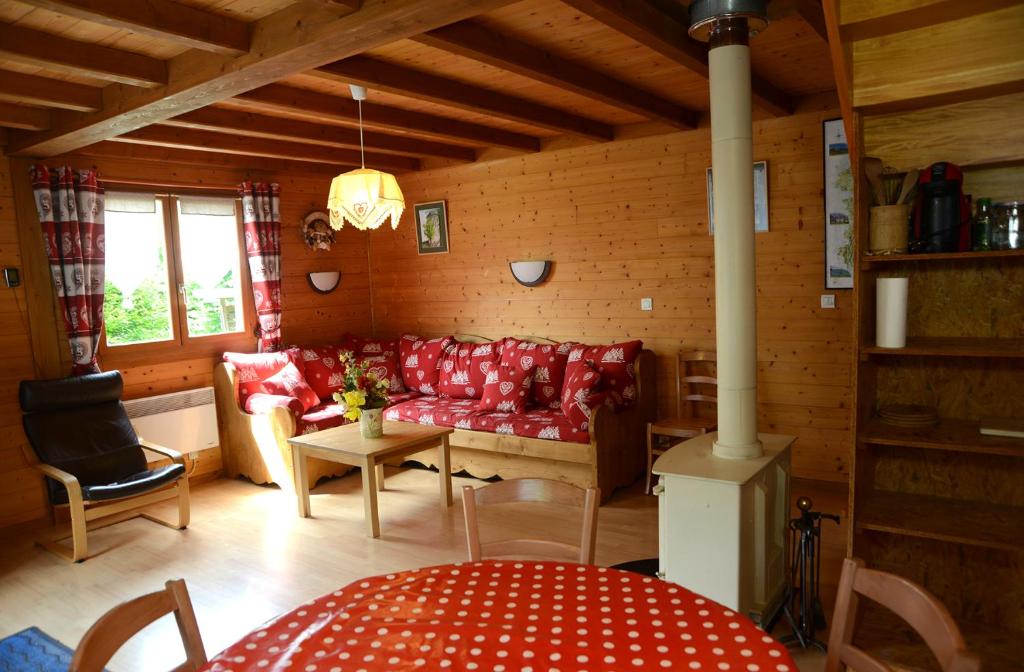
x=158, y=154
x=311, y=104
x=219, y=119
x=472, y=40
x=63, y=54
x=208, y=141
x=295, y=39
x=808, y=10
x=668, y=35
x=34, y=90
x=164, y=19
x=383, y=76
x=877, y=18
x=27, y=118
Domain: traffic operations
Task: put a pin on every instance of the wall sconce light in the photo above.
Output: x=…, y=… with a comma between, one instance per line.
x=324, y=282
x=530, y=273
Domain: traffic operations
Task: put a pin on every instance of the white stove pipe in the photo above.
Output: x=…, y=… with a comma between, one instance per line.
x=725, y=23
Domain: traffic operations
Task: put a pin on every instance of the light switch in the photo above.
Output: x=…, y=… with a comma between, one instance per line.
x=828, y=300
x=647, y=304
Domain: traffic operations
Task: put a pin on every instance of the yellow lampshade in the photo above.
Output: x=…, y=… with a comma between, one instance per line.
x=365, y=198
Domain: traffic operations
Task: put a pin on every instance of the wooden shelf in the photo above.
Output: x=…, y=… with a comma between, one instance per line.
x=952, y=346
x=954, y=435
x=867, y=261
x=884, y=635
x=953, y=520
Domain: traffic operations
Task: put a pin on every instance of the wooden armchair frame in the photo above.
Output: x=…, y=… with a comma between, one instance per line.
x=532, y=490
x=919, y=608
x=83, y=511
x=117, y=626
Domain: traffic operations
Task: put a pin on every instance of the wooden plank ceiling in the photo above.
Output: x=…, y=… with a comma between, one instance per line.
x=264, y=83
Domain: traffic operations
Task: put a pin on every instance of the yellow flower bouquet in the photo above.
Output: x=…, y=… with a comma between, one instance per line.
x=362, y=389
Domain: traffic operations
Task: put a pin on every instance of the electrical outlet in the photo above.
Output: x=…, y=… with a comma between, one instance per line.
x=647, y=304
x=828, y=300
x=194, y=456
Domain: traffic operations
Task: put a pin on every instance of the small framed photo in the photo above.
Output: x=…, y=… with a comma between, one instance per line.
x=760, y=198
x=431, y=227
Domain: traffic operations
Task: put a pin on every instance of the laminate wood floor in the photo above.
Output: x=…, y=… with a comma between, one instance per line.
x=248, y=557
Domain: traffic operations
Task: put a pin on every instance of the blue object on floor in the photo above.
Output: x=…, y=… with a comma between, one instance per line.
x=32, y=650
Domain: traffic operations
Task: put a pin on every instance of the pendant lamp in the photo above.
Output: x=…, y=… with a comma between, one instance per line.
x=365, y=198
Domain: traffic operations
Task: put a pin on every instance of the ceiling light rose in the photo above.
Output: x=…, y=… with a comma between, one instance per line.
x=365, y=198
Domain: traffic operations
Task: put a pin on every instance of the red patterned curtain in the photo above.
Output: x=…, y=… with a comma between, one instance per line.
x=70, y=206
x=261, y=208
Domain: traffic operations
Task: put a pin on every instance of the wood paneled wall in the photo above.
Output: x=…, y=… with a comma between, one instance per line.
x=308, y=317
x=626, y=220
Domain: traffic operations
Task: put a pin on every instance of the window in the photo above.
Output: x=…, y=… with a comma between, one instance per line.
x=174, y=275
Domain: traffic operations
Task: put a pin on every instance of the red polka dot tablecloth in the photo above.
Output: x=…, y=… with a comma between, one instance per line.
x=507, y=616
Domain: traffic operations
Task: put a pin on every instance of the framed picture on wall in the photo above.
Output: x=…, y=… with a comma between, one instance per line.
x=760, y=198
x=838, y=206
x=431, y=227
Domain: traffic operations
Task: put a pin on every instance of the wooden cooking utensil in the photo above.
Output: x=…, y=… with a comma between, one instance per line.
x=873, y=171
x=909, y=182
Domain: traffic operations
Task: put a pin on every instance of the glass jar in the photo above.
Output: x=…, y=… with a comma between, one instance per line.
x=981, y=227
x=1006, y=231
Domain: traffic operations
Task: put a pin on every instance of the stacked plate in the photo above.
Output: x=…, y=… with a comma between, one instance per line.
x=908, y=415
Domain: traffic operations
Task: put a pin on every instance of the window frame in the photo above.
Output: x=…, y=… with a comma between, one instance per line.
x=181, y=343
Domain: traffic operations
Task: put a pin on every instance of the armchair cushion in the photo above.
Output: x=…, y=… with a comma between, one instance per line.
x=133, y=484
x=254, y=368
x=264, y=403
x=289, y=382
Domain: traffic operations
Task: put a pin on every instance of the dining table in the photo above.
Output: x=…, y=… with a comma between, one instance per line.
x=506, y=616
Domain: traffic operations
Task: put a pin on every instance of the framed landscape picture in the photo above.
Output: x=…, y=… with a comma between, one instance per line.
x=431, y=227
x=838, y=207
x=760, y=198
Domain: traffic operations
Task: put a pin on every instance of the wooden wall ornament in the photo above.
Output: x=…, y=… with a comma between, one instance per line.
x=530, y=273
x=317, y=231
x=324, y=282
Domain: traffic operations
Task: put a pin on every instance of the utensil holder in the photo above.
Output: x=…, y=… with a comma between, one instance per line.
x=888, y=229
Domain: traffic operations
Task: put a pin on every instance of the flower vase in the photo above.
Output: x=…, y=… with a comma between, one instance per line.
x=371, y=423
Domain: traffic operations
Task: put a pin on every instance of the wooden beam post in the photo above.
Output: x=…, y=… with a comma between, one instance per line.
x=32, y=90
x=19, y=116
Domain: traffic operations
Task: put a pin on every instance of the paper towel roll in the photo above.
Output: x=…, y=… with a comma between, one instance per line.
x=891, y=313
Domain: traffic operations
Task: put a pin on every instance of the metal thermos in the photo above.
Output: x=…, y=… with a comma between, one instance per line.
x=940, y=219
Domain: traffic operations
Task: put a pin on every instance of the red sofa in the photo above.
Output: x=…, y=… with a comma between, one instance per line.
x=520, y=407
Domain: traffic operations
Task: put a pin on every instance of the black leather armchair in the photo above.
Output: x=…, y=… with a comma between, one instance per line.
x=93, y=460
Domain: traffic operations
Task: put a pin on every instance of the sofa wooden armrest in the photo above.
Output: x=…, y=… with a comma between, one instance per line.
x=256, y=445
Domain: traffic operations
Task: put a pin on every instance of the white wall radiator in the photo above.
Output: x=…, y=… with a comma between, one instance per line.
x=183, y=421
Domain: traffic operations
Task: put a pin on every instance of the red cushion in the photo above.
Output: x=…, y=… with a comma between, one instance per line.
x=615, y=364
x=421, y=361
x=320, y=418
x=368, y=346
x=580, y=386
x=399, y=397
x=386, y=368
x=547, y=423
x=550, y=360
x=254, y=368
x=261, y=402
x=323, y=371
x=464, y=369
x=288, y=382
x=435, y=411
x=507, y=388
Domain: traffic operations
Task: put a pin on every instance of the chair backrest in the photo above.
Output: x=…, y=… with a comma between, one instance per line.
x=696, y=381
x=915, y=605
x=532, y=490
x=118, y=625
x=78, y=424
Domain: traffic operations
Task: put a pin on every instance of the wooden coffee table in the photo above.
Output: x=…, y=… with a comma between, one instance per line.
x=347, y=446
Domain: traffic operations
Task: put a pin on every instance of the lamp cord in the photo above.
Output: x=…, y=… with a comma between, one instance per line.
x=362, y=150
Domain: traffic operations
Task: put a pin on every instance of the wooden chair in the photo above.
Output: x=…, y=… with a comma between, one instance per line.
x=919, y=608
x=118, y=625
x=94, y=461
x=691, y=390
x=532, y=490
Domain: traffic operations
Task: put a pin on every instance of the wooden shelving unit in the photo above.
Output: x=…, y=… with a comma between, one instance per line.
x=868, y=261
x=954, y=520
x=940, y=505
x=961, y=436
x=952, y=346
